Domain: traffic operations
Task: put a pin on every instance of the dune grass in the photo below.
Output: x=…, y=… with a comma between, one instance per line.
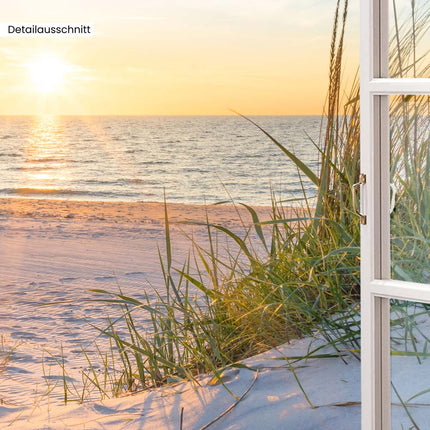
x=297, y=274
x=6, y=352
x=300, y=269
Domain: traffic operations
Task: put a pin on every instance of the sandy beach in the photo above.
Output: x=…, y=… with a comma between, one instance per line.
x=54, y=251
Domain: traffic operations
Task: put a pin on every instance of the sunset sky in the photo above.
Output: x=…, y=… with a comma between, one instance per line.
x=166, y=57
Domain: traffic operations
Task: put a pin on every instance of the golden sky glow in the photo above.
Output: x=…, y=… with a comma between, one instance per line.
x=169, y=57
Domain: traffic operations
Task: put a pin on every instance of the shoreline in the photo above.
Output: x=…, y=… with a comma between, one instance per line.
x=126, y=212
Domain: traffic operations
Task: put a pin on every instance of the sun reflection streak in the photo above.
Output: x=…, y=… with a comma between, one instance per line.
x=46, y=156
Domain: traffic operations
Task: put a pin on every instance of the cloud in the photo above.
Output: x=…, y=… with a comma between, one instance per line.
x=11, y=55
x=140, y=18
x=131, y=18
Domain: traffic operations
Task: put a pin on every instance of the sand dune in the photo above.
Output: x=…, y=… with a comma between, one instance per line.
x=54, y=251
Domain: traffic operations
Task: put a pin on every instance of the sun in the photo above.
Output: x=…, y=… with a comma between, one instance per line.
x=48, y=73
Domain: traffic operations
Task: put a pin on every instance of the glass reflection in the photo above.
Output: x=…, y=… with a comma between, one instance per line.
x=409, y=38
x=410, y=365
x=410, y=184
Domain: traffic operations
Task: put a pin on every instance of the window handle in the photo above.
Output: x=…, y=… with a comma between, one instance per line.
x=355, y=188
x=393, y=197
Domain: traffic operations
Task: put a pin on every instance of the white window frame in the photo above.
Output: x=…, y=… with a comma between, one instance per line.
x=376, y=286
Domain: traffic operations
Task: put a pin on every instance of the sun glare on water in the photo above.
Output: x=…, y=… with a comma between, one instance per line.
x=48, y=73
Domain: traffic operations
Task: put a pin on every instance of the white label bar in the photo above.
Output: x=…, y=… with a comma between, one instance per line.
x=28, y=29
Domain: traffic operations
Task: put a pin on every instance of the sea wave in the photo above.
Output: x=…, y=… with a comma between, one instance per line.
x=46, y=160
x=116, y=182
x=61, y=192
x=31, y=168
x=28, y=191
x=9, y=154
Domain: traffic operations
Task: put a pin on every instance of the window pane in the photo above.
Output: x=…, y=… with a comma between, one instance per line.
x=410, y=365
x=409, y=38
x=410, y=188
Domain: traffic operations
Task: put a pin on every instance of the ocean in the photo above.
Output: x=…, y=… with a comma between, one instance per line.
x=192, y=159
